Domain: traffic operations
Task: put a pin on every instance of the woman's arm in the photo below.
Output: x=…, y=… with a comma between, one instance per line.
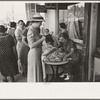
x=18, y=38
x=32, y=42
x=36, y=43
x=69, y=54
x=24, y=40
x=18, y=35
x=52, y=50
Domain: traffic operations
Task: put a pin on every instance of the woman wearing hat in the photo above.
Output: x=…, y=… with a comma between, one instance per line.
x=8, y=62
x=35, y=73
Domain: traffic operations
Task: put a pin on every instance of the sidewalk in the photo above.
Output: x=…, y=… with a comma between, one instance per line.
x=20, y=78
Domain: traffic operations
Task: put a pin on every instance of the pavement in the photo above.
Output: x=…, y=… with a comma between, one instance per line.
x=20, y=78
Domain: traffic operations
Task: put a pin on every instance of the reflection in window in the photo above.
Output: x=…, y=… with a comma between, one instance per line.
x=73, y=17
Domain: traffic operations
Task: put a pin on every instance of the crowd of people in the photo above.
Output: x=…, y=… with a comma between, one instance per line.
x=23, y=49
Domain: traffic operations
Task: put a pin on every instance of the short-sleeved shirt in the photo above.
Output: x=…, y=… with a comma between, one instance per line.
x=71, y=45
x=18, y=33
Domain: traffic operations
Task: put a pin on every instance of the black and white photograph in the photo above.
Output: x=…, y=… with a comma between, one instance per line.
x=49, y=49
x=49, y=42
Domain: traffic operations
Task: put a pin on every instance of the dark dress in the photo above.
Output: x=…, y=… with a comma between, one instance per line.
x=71, y=45
x=25, y=50
x=8, y=63
x=12, y=33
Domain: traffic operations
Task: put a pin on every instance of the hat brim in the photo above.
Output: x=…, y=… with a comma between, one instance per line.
x=38, y=20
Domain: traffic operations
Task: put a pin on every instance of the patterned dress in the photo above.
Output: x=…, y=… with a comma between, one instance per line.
x=8, y=63
x=35, y=73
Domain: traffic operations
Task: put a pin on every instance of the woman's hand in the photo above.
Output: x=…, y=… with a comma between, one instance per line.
x=65, y=58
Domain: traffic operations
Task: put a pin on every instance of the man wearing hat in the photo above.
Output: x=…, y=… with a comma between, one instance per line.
x=35, y=73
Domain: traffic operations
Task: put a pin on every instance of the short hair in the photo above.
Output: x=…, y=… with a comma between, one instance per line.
x=47, y=29
x=64, y=35
x=12, y=24
x=63, y=25
x=49, y=39
x=20, y=21
x=27, y=23
x=2, y=29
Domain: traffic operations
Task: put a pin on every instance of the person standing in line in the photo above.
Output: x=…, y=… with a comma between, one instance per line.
x=25, y=47
x=20, y=44
x=11, y=31
x=35, y=73
x=28, y=24
x=8, y=62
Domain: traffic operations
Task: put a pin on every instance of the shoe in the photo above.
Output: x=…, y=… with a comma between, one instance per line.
x=10, y=79
x=5, y=80
x=61, y=76
x=67, y=77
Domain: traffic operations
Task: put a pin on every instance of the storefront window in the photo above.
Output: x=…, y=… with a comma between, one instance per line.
x=73, y=17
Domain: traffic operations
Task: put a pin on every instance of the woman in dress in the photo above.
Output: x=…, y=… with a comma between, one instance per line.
x=25, y=48
x=20, y=44
x=35, y=73
x=72, y=54
x=28, y=24
x=11, y=31
x=8, y=62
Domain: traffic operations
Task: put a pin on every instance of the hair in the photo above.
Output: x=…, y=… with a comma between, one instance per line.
x=63, y=25
x=28, y=23
x=49, y=39
x=47, y=29
x=2, y=29
x=20, y=21
x=12, y=24
x=24, y=24
x=64, y=35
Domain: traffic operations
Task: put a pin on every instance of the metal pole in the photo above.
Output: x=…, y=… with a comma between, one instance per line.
x=13, y=12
